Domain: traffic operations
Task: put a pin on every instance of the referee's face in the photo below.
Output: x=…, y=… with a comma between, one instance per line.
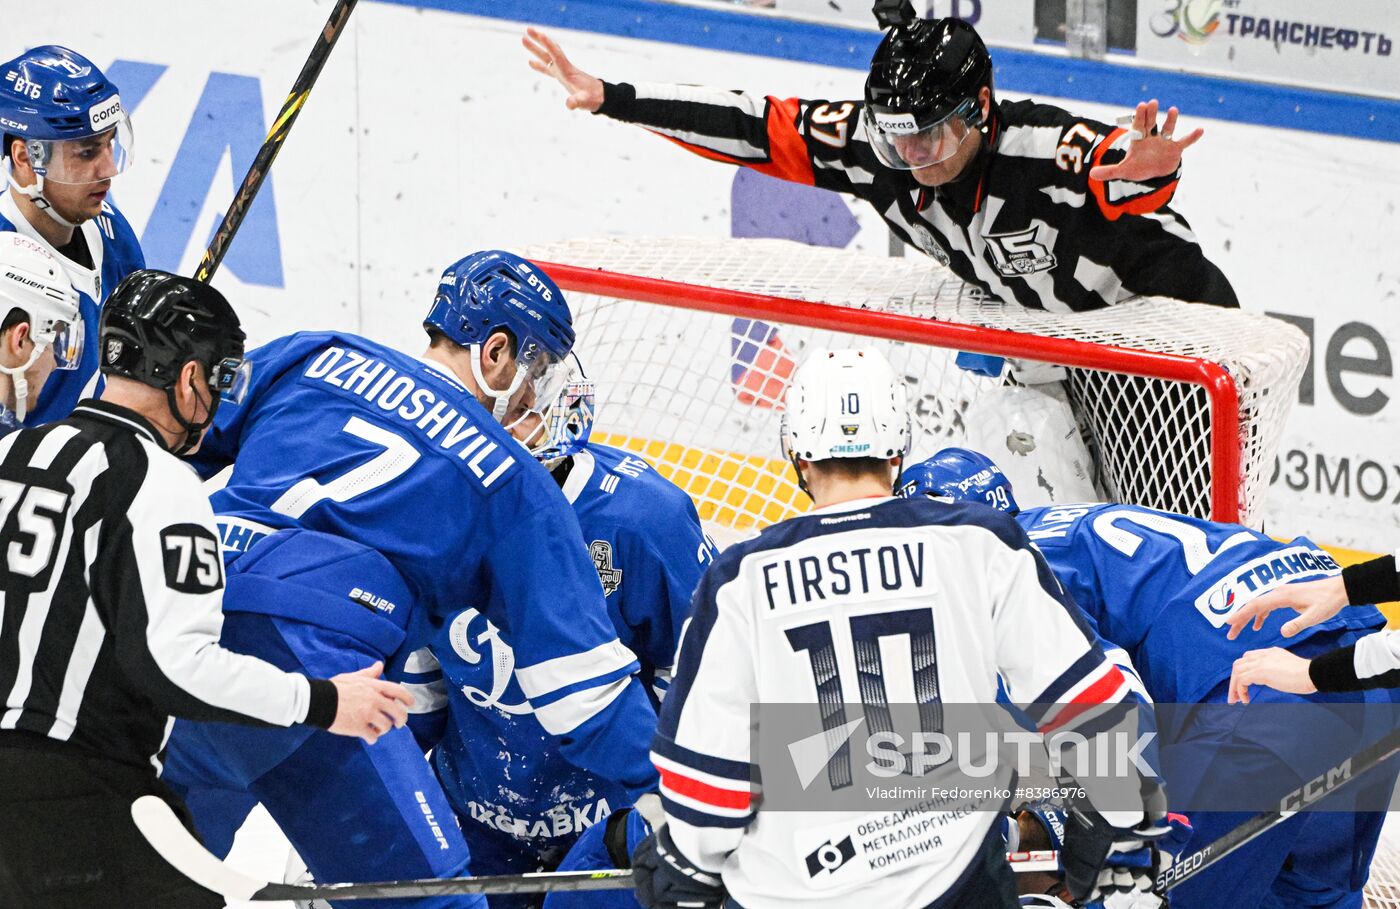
x=957, y=163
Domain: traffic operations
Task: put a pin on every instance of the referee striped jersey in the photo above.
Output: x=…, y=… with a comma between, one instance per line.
x=1027, y=224
x=110, y=591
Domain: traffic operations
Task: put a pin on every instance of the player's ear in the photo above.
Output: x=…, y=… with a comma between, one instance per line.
x=12, y=344
x=984, y=98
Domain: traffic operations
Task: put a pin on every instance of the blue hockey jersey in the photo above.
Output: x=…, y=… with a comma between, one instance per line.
x=1162, y=585
x=345, y=436
x=116, y=253
x=649, y=550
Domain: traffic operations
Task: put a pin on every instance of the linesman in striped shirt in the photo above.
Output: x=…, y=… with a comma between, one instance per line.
x=1029, y=202
x=110, y=591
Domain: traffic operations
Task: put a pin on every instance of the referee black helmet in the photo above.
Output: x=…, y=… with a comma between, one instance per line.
x=155, y=322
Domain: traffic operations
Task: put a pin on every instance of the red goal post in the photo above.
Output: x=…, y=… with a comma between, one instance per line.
x=1246, y=366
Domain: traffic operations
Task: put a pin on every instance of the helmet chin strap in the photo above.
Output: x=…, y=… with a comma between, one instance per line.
x=35, y=194
x=501, y=398
x=16, y=374
x=194, y=430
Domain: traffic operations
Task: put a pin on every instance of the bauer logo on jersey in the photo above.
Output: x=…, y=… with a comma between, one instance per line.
x=1021, y=253
x=1259, y=576
x=602, y=553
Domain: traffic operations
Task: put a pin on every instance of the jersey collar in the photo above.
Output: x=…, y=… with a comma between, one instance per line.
x=853, y=505
x=107, y=412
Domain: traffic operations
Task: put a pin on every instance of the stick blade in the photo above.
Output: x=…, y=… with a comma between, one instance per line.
x=162, y=829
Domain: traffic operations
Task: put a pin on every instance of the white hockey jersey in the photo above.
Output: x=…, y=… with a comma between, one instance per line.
x=791, y=616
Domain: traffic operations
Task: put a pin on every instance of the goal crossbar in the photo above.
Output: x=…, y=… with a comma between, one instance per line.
x=1219, y=387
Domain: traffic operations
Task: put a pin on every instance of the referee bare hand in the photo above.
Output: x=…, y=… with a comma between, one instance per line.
x=1272, y=667
x=1314, y=601
x=1154, y=154
x=368, y=706
x=585, y=91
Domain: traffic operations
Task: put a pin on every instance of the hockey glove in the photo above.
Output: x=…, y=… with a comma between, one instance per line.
x=1101, y=860
x=666, y=879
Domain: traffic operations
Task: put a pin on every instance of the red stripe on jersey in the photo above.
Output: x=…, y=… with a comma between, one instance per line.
x=704, y=792
x=787, y=150
x=1097, y=693
x=1142, y=205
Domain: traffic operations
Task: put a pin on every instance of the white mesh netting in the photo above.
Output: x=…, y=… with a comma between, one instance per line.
x=699, y=393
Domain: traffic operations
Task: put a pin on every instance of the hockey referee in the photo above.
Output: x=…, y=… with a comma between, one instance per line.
x=110, y=589
x=1029, y=202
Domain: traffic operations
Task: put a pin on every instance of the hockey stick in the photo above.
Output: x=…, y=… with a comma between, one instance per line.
x=262, y=163
x=163, y=830
x=159, y=825
x=1304, y=796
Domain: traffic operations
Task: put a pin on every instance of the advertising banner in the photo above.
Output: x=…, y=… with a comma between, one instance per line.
x=1342, y=46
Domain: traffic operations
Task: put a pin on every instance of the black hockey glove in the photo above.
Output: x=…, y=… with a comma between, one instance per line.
x=666, y=879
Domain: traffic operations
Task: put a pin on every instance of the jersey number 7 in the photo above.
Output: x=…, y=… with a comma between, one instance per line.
x=866, y=632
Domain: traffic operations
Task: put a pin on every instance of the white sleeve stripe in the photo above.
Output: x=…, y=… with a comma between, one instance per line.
x=422, y=661
x=560, y=672
x=429, y=698
x=568, y=713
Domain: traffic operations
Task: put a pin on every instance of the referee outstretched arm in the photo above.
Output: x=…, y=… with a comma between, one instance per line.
x=1372, y=662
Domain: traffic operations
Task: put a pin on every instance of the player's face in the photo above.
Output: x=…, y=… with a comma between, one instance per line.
x=86, y=167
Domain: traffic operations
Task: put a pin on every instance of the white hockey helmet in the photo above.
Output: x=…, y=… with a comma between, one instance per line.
x=845, y=404
x=33, y=281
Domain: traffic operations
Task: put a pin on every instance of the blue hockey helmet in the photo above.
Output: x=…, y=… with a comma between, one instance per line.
x=492, y=291
x=962, y=475
x=69, y=116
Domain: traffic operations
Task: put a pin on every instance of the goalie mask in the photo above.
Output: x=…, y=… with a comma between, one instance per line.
x=560, y=425
x=961, y=475
x=845, y=404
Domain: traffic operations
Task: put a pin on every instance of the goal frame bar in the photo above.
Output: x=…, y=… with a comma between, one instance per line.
x=1220, y=388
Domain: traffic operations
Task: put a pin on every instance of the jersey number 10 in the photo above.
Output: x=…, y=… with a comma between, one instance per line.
x=866, y=632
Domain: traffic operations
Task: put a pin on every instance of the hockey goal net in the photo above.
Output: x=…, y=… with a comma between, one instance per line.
x=692, y=343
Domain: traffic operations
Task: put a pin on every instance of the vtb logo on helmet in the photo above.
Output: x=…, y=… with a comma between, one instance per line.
x=921, y=98
x=63, y=108
x=494, y=291
x=962, y=475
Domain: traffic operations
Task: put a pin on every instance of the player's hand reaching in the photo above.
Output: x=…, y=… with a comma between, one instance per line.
x=1153, y=154
x=585, y=91
x=368, y=706
x=1272, y=667
x=1314, y=601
